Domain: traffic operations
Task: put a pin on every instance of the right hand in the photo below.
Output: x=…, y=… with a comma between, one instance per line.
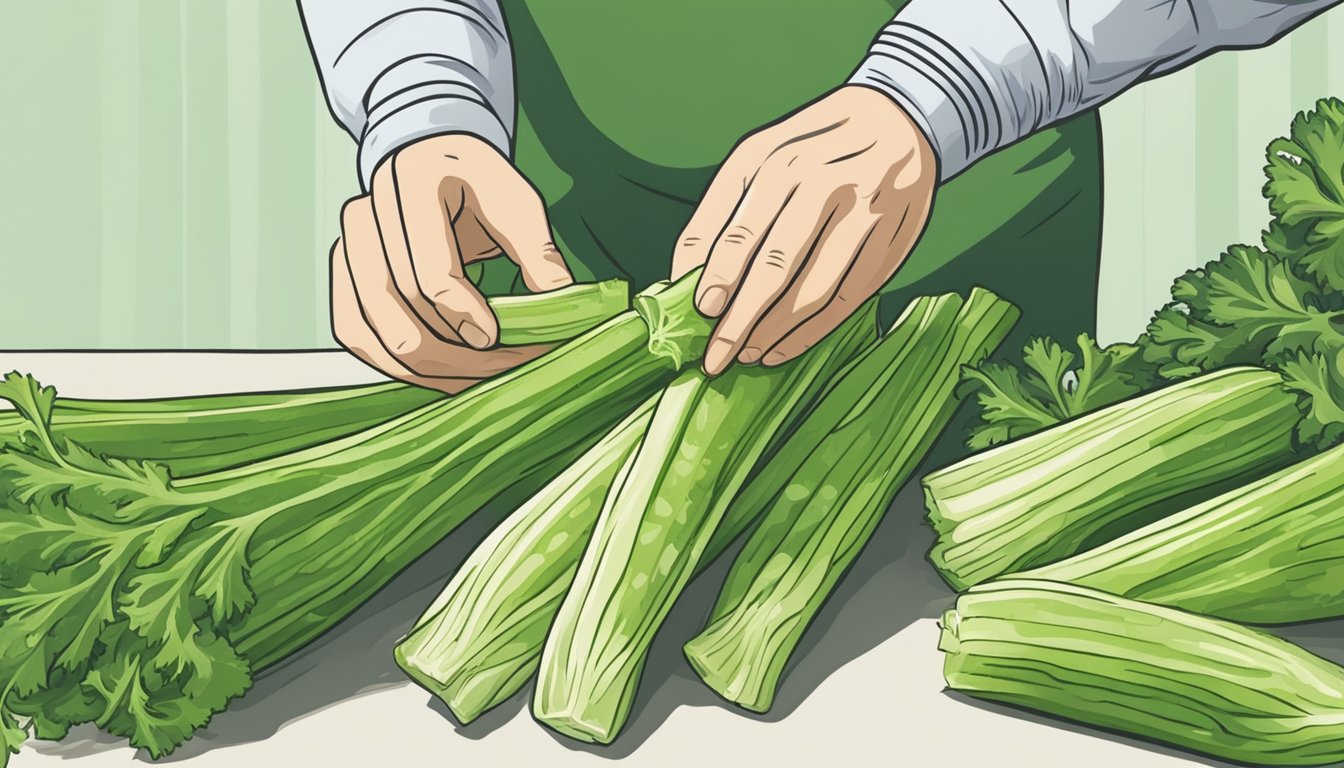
x=400, y=297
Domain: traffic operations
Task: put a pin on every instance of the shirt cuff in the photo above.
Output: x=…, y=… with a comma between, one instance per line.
x=945, y=96
x=431, y=110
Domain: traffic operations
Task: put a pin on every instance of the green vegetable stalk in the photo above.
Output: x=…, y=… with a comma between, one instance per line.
x=144, y=604
x=1152, y=671
x=704, y=438
x=874, y=426
x=559, y=315
x=1269, y=552
x=1046, y=496
x=479, y=641
x=193, y=435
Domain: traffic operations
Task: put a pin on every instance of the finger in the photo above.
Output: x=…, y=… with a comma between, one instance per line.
x=515, y=216
x=734, y=247
x=355, y=336
x=835, y=254
x=879, y=259
x=394, y=229
x=772, y=271
x=710, y=217
x=397, y=328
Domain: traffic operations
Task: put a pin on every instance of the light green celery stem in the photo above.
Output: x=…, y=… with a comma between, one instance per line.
x=194, y=435
x=878, y=422
x=1269, y=552
x=479, y=641
x=1150, y=671
x=1044, y=497
x=703, y=441
x=544, y=318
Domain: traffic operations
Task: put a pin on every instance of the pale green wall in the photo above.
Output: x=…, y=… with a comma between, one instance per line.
x=169, y=176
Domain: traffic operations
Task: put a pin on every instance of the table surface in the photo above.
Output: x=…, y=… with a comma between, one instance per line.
x=866, y=690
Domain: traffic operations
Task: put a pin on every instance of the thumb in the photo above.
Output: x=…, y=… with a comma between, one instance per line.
x=515, y=217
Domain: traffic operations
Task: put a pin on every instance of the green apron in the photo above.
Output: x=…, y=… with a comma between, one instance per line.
x=627, y=107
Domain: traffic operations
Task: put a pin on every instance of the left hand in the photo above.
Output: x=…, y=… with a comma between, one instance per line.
x=805, y=220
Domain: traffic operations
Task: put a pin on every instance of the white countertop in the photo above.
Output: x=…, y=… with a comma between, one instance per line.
x=867, y=689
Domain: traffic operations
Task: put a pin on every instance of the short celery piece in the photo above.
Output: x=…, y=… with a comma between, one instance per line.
x=558, y=315
x=704, y=439
x=479, y=641
x=1154, y=672
x=1269, y=552
x=877, y=423
x=1048, y=495
x=193, y=435
x=145, y=604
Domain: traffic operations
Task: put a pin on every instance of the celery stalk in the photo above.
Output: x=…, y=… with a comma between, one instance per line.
x=1155, y=672
x=878, y=421
x=480, y=639
x=545, y=318
x=193, y=435
x=1046, y=496
x=703, y=441
x=1269, y=552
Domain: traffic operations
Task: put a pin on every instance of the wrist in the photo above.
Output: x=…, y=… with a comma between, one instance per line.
x=913, y=69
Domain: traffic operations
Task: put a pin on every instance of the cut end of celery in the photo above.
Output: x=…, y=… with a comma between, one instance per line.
x=421, y=676
x=938, y=554
x=743, y=690
x=467, y=698
x=575, y=726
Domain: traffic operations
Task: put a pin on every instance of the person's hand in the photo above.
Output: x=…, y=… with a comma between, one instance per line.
x=806, y=219
x=400, y=297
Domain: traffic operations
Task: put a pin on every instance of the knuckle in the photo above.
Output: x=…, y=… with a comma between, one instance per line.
x=406, y=347
x=774, y=260
x=690, y=241
x=737, y=235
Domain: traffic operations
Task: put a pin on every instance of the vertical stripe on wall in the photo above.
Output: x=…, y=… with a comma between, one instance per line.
x=1216, y=129
x=206, y=243
x=242, y=31
x=160, y=267
x=120, y=144
x=288, y=289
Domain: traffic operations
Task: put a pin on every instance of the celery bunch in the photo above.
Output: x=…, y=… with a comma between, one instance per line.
x=143, y=602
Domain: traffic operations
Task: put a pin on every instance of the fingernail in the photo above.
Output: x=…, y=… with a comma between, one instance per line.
x=774, y=358
x=750, y=355
x=713, y=300
x=717, y=356
x=473, y=335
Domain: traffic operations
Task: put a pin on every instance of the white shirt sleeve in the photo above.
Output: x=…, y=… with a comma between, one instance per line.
x=395, y=71
x=978, y=75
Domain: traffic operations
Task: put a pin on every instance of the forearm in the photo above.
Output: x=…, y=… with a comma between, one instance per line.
x=395, y=71
x=981, y=74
